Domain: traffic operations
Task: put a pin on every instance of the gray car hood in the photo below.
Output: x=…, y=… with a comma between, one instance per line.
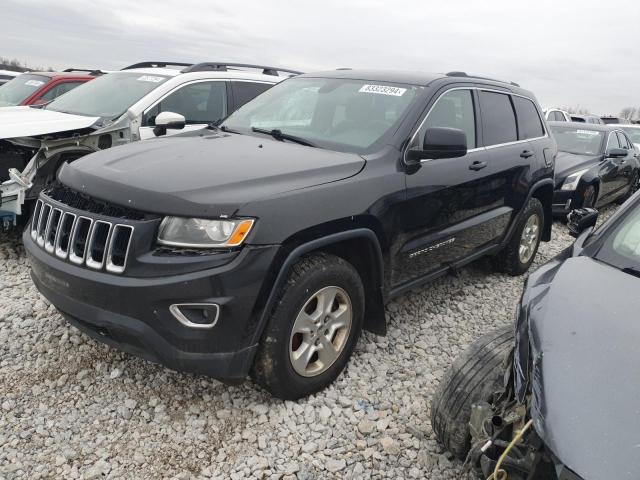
x=204, y=174
x=585, y=340
x=16, y=122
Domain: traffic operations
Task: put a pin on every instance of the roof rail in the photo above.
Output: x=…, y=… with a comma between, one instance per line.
x=86, y=70
x=224, y=66
x=465, y=74
x=157, y=65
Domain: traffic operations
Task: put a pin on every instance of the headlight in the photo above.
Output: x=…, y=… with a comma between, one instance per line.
x=201, y=233
x=571, y=182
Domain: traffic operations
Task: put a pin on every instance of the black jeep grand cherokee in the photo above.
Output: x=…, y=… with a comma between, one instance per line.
x=265, y=245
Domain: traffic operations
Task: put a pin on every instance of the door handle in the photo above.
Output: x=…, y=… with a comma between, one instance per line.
x=527, y=154
x=477, y=165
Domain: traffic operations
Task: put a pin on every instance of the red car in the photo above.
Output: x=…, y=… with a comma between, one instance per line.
x=37, y=88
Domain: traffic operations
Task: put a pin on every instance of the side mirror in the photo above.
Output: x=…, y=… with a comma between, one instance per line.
x=166, y=120
x=440, y=142
x=617, y=153
x=580, y=219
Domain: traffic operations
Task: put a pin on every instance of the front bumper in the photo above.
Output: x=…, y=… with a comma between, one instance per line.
x=564, y=201
x=132, y=314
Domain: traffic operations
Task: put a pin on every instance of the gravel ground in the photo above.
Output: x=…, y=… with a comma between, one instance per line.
x=73, y=408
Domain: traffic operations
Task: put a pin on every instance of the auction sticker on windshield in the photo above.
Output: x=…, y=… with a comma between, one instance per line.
x=34, y=83
x=588, y=132
x=383, y=90
x=150, y=78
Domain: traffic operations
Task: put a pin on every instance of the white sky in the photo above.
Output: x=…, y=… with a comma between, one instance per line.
x=568, y=52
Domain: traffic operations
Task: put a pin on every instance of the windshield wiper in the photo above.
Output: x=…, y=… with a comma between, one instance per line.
x=632, y=271
x=279, y=135
x=226, y=129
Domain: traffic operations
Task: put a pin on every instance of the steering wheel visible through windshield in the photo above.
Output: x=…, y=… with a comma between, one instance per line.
x=108, y=96
x=337, y=114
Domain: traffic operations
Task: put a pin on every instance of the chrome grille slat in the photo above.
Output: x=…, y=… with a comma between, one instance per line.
x=52, y=229
x=64, y=233
x=95, y=243
x=36, y=219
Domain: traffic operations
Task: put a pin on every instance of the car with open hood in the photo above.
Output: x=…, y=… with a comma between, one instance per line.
x=142, y=101
x=265, y=245
x=560, y=400
x=596, y=165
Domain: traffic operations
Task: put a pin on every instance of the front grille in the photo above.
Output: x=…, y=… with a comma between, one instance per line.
x=89, y=204
x=80, y=239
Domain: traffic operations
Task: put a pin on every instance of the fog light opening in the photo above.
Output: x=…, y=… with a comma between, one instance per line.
x=196, y=315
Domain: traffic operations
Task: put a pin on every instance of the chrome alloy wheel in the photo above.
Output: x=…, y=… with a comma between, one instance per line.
x=320, y=331
x=529, y=238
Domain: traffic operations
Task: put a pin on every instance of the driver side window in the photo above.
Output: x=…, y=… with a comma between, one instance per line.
x=454, y=109
x=202, y=102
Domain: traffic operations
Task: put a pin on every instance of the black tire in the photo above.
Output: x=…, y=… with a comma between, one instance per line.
x=272, y=368
x=508, y=260
x=589, y=197
x=475, y=376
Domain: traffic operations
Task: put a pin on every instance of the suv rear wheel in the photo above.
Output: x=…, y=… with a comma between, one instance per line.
x=518, y=255
x=313, y=328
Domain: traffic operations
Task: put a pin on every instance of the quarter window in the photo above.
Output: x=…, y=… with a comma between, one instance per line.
x=529, y=123
x=623, y=141
x=498, y=118
x=244, y=92
x=202, y=102
x=454, y=109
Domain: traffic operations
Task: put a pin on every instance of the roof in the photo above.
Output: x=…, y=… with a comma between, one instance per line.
x=61, y=74
x=10, y=73
x=413, y=77
x=598, y=127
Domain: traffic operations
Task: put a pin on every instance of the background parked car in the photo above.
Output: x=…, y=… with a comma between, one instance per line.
x=609, y=119
x=595, y=165
x=6, y=75
x=37, y=88
x=633, y=131
x=532, y=406
x=142, y=101
x=556, y=115
x=586, y=119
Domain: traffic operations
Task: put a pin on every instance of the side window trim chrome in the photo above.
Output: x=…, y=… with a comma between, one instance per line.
x=489, y=147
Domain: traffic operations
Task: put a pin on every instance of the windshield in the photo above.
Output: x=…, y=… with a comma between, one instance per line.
x=622, y=246
x=634, y=133
x=108, y=96
x=337, y=114
x=579, y=141
x=20, y=88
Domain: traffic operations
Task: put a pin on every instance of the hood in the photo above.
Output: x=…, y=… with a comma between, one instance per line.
x=29, y=122
x=204, y=175
x=584, y=334
x=567, y=163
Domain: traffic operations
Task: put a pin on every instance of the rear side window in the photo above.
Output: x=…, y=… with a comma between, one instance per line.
x=454, y=109
x=529, y=123
x=244, y=92
x=498, y=118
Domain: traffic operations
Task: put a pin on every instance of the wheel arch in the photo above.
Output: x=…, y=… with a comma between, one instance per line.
x=543, y=191
x=360, y=247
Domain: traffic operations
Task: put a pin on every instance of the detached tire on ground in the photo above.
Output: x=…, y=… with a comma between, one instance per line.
x=312, y=329
x=518, y=255
x=474, y=377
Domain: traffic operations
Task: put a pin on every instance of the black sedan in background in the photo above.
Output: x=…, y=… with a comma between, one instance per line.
x=596, y=165
x=558, y=396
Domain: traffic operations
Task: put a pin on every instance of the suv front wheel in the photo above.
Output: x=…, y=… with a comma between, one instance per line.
x=313, y=328
x=518, y=255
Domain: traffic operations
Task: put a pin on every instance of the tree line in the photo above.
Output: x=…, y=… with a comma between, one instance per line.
x=15, y=65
